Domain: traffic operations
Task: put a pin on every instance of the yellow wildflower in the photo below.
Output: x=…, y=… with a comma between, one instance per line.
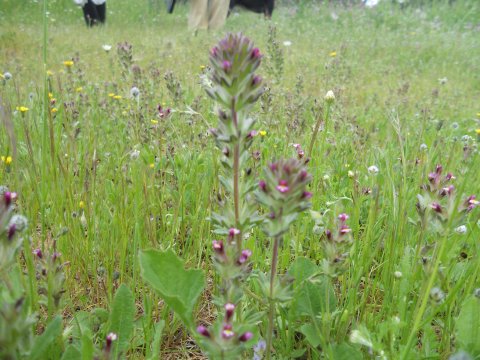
x=154, y=122
x=117, y=97
x=79, y=89
x=22, y=109
x=81, y=204
x=333, y=54
x=351, y=174
x=477, y=131
x=49, y=72
x=2, y=77
x=478, y=114
x=202, y=67
x=50, y=95
x=68, y=63
x=111, y=95
x=54, y=110
x=262, y=133
x=7, y=160
x=152, y=165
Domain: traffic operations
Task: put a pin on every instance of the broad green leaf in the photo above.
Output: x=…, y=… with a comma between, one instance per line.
x=311, y=334
x=122, y=318
x=42, y=343
x=157, y=338
x=345, y=351
x=180, y=288
x=72, y=353
x=297, y=353
x=301, y=269
x=87, y=345
x=468, y=326
x=316, y=297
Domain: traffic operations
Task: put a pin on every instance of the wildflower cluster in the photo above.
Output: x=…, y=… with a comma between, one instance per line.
x=50, y=275
x=437, y=204
x=224, y=338
x=336, y=243
x=283, y=192
x=235, y=87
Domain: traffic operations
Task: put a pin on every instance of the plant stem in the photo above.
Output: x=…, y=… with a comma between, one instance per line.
x=271, y=311
x=315, y=131
x=236, y=197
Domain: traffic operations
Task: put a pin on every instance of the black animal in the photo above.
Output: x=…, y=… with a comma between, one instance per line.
x=258, y=6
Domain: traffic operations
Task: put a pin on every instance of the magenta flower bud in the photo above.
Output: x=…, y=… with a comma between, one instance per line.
x=214, y=51
x=449, y=177
x=344, y=229
x=227, y=65
x=245, y=337
x=273, y=167
x=307, y=195
x=9, y=197
x=343, y=217
x=282, y=186
x=244, y=256
x=303, y=175
x=38, y=253
x=111, y=337
x=300, y=153
x=262, y=185
x=56, y=255
x=218, y=247
x=226, y=151
x=447, y=190
x=229, y=309
x=227, y=332
x=11, y=231
x=297, y=146
x=252, y=134
x=232, y=232
x=432, y=177
x=256, y=80
x=256, y=54
x=437, y=207
x=439, y=169
x=202, y=330
x=328, y=233
x=271, y=215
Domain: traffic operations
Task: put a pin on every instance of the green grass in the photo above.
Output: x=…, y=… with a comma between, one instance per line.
x=389, y=101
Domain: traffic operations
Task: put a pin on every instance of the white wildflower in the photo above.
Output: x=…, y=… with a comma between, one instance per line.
x=373, y=170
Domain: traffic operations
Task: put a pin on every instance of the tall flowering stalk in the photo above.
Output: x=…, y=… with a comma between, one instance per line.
x=283, y=192
x=235, y=88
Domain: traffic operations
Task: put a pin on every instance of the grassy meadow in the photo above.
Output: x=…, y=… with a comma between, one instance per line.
x=103, y=175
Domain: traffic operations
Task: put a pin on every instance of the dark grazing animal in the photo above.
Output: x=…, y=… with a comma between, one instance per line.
x=258, y=6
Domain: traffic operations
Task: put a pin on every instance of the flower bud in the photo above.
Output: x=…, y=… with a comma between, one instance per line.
x=245, y=254
x=262, y=185
x=229, y=309
x=202, y=330
x=12, y=229
x=436, y=207
x=245, y=337
x=227, y=332
x=343, y=217
x=282, y=186
x=111, y=337
x=329, y=97
x=9, y=197
x=218, y=247
x=38, y=253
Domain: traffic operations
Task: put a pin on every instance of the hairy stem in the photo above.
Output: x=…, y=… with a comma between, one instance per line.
x=271, y=311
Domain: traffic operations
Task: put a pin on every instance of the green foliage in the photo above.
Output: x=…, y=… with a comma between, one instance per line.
x=467, y=334
x=42, y=347
x=165, y=273
x=122, y=318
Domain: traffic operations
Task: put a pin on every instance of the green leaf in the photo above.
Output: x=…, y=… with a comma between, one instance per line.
x=311, y=334
x=346, y=351
x=157, y=338
x=468, y=326
x=301, y=269
x=87, y=345
x=122, y=318
x=72, y=353
x=42, y=343
x=316, y=297
x=180, y=288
